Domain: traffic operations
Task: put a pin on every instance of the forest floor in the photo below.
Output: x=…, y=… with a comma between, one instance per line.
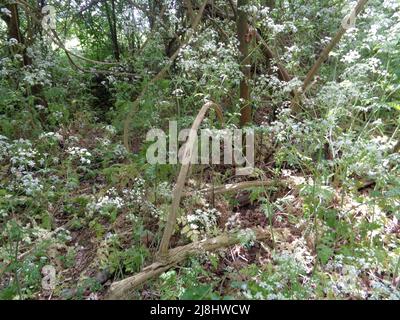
x=97, y=214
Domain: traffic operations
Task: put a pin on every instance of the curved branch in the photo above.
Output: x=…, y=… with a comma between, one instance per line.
x=177, y=193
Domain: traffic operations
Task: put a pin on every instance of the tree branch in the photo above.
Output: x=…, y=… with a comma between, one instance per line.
x=123, y=289
x=325, y=53
x=178, y=190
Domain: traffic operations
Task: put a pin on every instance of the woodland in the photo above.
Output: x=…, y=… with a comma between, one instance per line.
x=84, y=214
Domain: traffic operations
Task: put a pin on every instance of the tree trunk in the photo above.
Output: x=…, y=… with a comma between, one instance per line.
x=13, y=26
x=242, y=32
x=112, y=22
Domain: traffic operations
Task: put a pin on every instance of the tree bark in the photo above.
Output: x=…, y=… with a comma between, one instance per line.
x=122, y=290
x=13, y=26
x=242, y=32
x=112, y=22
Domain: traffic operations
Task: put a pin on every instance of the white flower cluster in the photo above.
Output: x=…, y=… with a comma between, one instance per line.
x=209, y=62
x=365, y=156
x=384, y=289
x=351, y=57
x=52, y=136
x=285, y=281
x=106, y=203
x=136, y=195
x=391, y=4
x=103, y=141
x=263, y=15
x=22, y=158
x=3, y=213
x=348, y=274
x=136, y=198
x=22, y=155
x=80, y=153
x=30, y=184
x=120, y=151
x=12, y=42
x=201, y=223
x=37, y=76
x=110, y=129
x=164, y=191
x=347, y=283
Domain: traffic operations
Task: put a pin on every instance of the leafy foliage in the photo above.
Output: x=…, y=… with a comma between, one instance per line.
x=73, y=197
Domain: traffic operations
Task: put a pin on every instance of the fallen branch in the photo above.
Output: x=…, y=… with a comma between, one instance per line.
x=123, y=289
x=228, y=188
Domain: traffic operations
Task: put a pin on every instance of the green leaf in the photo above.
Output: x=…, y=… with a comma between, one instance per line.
x=395, y=105
x=324, y=253
x=197, y=293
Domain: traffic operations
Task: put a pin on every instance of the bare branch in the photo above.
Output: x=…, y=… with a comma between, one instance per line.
x=122, y=290
x=325, y=53
x=178, y=190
